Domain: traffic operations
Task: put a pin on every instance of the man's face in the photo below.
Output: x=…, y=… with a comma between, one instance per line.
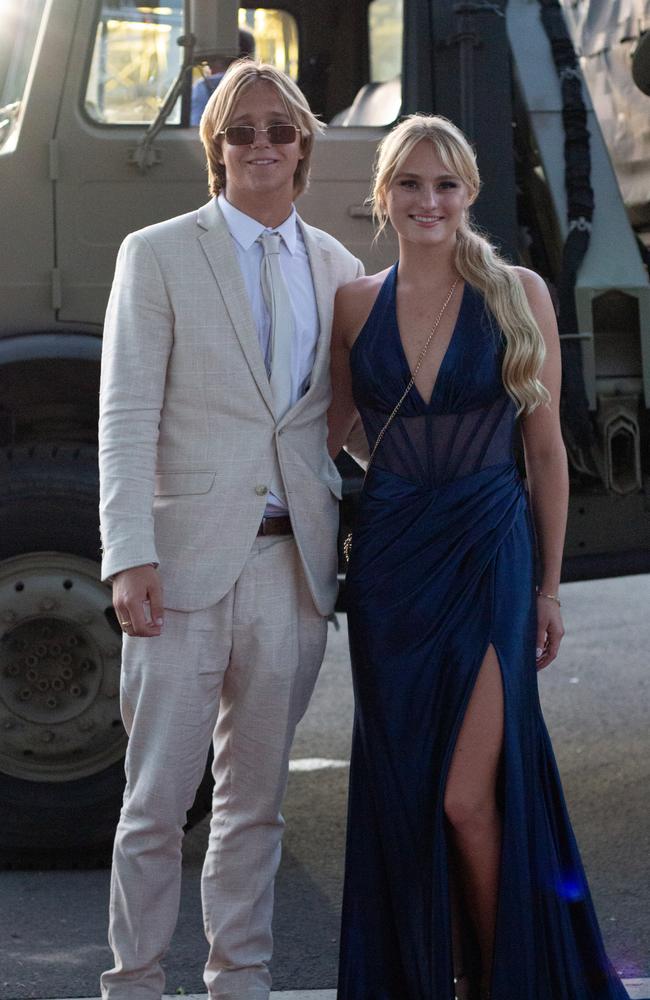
x=260, y=170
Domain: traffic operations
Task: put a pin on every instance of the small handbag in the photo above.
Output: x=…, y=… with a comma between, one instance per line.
x=347, y=544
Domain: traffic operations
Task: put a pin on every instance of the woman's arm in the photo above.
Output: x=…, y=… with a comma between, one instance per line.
x=546, y=471
x=342, y=411
x=351, y=307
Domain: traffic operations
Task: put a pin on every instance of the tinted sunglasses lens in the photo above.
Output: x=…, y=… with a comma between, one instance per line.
x=281, y=135
x=240, y=135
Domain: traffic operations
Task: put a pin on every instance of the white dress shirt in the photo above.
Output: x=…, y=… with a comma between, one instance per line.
x=294, y=263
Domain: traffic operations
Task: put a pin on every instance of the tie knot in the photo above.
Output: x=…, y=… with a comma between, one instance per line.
x=270, y=243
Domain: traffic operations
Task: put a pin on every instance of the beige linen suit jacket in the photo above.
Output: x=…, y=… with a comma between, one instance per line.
x=188, y=440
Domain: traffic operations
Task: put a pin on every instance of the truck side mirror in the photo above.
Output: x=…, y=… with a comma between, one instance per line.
x=641, y=64
x=214, y=26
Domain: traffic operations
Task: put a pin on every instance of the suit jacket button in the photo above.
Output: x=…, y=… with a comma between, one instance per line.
x=261, y=490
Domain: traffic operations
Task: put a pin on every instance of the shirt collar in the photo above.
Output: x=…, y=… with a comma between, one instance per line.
x=247, y=230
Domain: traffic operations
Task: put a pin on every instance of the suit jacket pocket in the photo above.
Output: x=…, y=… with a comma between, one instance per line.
x=169, y=484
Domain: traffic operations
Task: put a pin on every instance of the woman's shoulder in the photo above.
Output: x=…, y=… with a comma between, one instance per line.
x=532, y=282
x=354, y=302
x=539, y=300
x=362, y=288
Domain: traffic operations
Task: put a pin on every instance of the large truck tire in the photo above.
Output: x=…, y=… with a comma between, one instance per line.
x=62, y=742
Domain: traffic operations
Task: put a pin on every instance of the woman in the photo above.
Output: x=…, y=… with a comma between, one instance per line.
x=462, y=873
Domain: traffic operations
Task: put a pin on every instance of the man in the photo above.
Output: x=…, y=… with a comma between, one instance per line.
x=204, y=88
x=214, y=469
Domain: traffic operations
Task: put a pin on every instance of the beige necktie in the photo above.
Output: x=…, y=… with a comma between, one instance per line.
x=276, y=296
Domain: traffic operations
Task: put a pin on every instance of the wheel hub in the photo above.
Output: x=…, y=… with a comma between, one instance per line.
x=59, y=669
x=50, y=670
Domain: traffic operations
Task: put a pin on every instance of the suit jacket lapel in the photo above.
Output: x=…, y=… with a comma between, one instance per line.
x=218, y=247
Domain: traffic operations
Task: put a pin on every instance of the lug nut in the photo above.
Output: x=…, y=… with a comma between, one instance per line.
x=24, y=694
x=52, y=702
x=48, y=604
x=55, y=649
x=67, y=673
x=72, y=641
x=76, y=690
x=65, y=660
x=32, y=675
x=57, y=684
x=43, y=684
x=31, y=660
x=40, y=650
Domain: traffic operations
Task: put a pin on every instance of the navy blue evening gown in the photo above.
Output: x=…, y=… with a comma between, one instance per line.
x=442, y=566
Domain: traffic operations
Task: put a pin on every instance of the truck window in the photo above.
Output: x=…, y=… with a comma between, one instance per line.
x=378, y=102
x=135, y=60
x=20, y=29
x=136, y=57
x=276, y=37
x=385, y=37
x=275, y=34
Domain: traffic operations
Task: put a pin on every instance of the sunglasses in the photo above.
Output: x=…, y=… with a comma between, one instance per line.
x=244, y=135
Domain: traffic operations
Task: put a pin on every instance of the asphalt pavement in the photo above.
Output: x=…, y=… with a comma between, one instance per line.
x=53, y=924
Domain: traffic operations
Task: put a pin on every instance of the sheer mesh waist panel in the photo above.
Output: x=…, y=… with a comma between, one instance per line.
x=434, y=448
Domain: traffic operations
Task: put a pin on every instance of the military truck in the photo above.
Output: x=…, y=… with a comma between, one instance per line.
x=96, y=141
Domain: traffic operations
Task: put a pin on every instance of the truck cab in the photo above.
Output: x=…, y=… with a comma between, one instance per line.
x=97, y=140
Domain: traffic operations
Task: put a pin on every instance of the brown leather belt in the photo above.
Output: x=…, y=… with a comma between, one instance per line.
x=275, y=526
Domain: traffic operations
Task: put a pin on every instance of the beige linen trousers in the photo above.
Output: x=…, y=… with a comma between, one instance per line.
x=188, y=447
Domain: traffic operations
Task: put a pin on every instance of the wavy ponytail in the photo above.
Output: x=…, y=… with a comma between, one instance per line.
x=479, y=264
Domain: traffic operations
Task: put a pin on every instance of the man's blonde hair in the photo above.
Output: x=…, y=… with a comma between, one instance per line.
x=241, y=75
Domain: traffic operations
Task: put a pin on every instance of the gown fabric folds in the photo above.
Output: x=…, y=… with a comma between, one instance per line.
x=442, y=567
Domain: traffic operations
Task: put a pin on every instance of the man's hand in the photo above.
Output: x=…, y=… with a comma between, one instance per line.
x=137, y=599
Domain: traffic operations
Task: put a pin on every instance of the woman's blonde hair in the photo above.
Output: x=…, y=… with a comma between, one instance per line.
x=239, y=76
x=477, y=261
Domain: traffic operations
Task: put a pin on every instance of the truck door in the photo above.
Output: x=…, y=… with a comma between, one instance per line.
x=351, y=73
x=124, y=58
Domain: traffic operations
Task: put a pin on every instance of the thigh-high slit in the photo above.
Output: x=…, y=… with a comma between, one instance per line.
x=474, y=821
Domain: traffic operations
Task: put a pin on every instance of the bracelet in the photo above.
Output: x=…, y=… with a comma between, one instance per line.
x=551, y=597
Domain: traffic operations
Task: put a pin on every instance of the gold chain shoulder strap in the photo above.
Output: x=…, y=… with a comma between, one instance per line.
x=347, y=544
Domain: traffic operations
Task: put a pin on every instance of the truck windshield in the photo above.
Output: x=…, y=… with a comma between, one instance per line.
x=136, y=58
x=21, y=21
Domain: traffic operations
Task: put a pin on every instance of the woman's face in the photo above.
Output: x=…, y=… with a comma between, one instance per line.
x=425, y=203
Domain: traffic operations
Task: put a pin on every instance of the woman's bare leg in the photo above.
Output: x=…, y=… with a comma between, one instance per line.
x=471, y=806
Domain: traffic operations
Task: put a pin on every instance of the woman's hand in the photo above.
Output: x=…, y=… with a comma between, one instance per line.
x=549, y=630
